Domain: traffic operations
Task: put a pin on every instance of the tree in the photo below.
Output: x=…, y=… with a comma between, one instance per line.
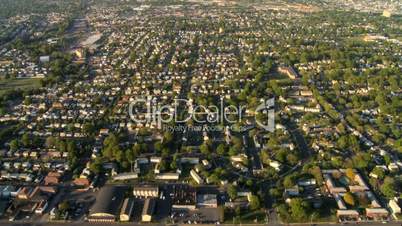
x=350, y=173
x=158, y=146
x=165, y=152
x=61, y=146
x=72, y=154
x=292, y=159
x=14, y=145
x=204, y=148
x=275, y=192
x=388, y=187
x=221, y=149
x=349, y=199
x=233, y=151
x=342, y=142
x=380, y=172
x=281, y=155
x=363, y=200
x=316, y=172
x=96, y=166
x=50, y=142
x=64, y=206
x=111, y=140
x=118, y=154
x=26, y=140
x=254, y=202
x=250, y=183
x=71, y=147
x=237, y=143
x=130, y=155
x=337, y=174
x=288, y=182
x=354, y=143
x=137, y=149
x=361, y=160
x=108, y=153
x=341, y=128
x=232, y=191
x=111, y=149
x=299, y=209
x=88, y=128
x=167, y=137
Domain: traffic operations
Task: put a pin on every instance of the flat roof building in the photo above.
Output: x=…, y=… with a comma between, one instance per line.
x=196, y=177
x=207, y=200
x=127, y=209
x=184, y=197
x=350, y=214
x=146, y=191
x=126, y=176
x=167, y=176
x=289, y=71
x=395, y=209
x=377, y=213
x=148, y=210
x=107, y=204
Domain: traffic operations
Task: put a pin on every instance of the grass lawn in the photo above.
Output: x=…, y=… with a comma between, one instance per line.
x=276, y=76
x=246, y=217
x=250, y=217
x=18, y=83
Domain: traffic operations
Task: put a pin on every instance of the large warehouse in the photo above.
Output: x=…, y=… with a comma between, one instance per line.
x=107, y=205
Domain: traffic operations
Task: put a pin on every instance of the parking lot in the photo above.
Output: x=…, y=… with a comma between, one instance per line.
x=202, y=215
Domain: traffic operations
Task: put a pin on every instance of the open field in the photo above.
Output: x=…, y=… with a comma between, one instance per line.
x=18, y=83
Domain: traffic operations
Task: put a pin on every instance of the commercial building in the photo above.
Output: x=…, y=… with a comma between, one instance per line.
x=289, y=71
x=347, y=214
x=146, y=191
x=127, y=209
x=377, y=213
x=167, y=176
x=126, y=176
x=107, y=204
x=184, y=197
x=148, y=210
x=196, y=177
x=207, y=200
x=395, y=208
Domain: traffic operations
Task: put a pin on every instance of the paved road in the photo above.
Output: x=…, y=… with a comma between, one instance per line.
x=298, y=138
x=252, y=152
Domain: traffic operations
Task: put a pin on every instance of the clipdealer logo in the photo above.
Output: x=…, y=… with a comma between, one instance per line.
x=149, y=111
x=268, y=111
